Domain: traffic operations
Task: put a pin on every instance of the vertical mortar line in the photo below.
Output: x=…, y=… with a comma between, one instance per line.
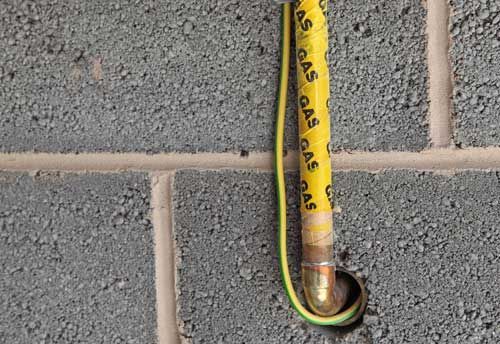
x=440, y=85
x=161, y=189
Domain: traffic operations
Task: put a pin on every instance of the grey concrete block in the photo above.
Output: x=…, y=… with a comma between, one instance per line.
x=199, y=76
x=76, y=259
x=428, y=245
x=378, y=75
x=475, y=52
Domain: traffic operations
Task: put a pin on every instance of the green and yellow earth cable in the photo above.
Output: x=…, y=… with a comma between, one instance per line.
x=326, y=296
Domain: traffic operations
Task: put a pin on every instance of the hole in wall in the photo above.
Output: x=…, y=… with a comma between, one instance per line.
x=339, y=332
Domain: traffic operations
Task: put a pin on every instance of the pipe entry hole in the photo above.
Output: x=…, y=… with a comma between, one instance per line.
x=358, y=288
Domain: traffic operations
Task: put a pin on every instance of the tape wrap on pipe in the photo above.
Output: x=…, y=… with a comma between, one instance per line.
x=314, y=121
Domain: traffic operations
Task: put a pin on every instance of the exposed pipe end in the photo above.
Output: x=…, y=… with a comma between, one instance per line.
x=329, y=290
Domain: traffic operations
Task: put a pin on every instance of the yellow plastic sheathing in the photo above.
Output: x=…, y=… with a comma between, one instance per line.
x=314, y=121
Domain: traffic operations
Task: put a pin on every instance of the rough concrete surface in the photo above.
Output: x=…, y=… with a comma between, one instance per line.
x=378, y=75
x=428, y=245
x=76, y=259
x=475, y=52
x=199, y=76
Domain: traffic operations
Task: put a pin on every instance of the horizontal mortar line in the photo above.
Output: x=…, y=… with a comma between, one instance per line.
x=433, y=159
x=117, y=162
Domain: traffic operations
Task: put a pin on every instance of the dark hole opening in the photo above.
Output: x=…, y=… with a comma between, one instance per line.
x=339, y=332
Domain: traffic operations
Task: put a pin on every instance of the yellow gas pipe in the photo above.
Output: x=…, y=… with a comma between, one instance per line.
x=325, y=294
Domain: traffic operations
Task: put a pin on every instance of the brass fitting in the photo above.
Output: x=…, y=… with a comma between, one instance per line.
x=325, y=295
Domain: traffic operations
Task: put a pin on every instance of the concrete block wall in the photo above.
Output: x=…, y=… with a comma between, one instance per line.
x=137, y=199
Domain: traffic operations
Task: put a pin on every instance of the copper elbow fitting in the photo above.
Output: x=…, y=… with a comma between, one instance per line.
x=325, y=294
x=328, y=289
